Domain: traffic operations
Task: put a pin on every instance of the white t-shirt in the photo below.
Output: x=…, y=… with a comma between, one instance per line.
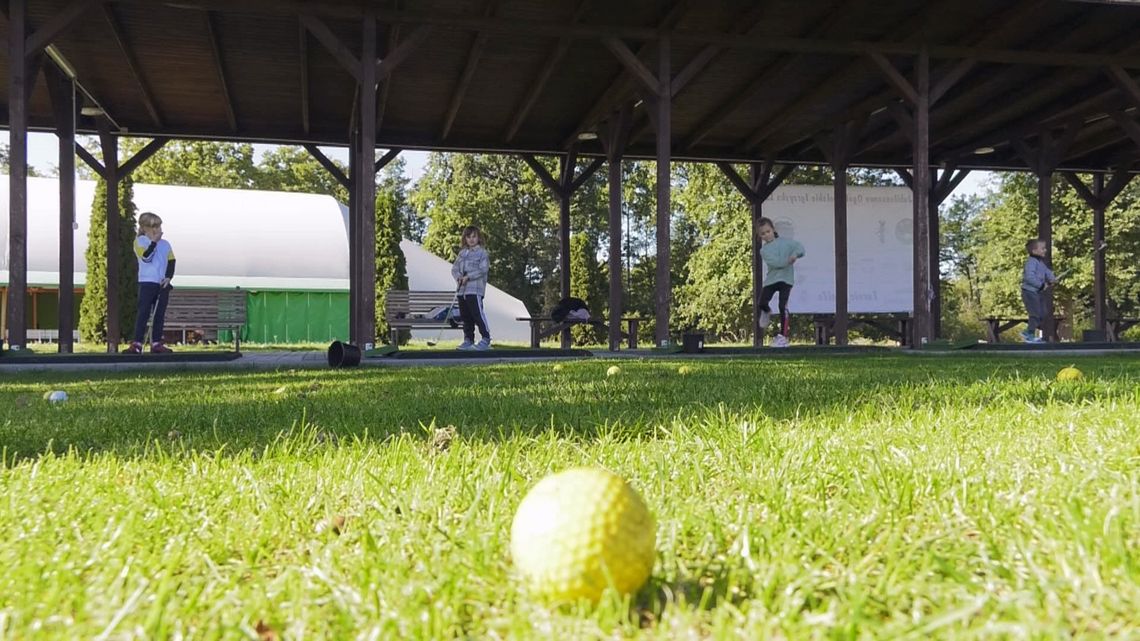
x=152, y=267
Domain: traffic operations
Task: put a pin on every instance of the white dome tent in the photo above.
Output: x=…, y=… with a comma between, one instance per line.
x=289, y=250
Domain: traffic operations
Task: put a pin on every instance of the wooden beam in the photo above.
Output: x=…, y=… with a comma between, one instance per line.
x=61, y=91
x=633, y=65
x=1129, y=125
x=141, y=156
x=329, y=166
x=110, y=145
x=473, y=56
x=590, y=169
x=333, y=44
x=775, y=181
x=553, y=185
x=220, y=68
x=59, y=22
x=91, y=161
x=951, y=78
x=133, y=65
x=385, y=67
x=388, y=157
x=899, y=82
x=1126, y=84
x=737, y=181
x=390, y=43
x=303, y=66
x=18, y=81
x=369, y=73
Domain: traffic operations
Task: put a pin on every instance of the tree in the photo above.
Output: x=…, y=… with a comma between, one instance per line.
x=93, y=308
x=394, y=181
x=587, y=283
x=294, y=169
x=196, y=163
x=391, y=265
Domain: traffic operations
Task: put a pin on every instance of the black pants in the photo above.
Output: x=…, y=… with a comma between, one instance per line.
x=1034, y=309
x=471, y=311
x=785, y=291
x=151, y=295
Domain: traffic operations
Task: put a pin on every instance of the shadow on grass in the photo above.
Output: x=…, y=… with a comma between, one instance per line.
x=239, y=411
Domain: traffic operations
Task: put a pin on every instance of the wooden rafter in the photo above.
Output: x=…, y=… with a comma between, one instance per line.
x=220, y=68
x=329, y=166
x=1129, y=125
x=385, y=67
x=543, y=76
x=621, y=86
x=388, y=157
x=141, y=156
x=391, y=42
x=758, y=83
x=1125, y=83
x=133, y=64
x=326, y=37
x=473, y=56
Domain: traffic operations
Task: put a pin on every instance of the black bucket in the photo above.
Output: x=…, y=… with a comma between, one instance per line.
x=343, y=355
x=693, y=342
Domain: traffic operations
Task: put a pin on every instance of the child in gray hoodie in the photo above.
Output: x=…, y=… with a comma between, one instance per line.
x=470, y=274
x=1035, y=278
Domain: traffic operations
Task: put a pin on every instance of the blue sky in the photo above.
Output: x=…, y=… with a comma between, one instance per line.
x=43, y=153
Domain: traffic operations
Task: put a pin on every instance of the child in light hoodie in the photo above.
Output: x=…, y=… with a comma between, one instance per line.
x=470, y=274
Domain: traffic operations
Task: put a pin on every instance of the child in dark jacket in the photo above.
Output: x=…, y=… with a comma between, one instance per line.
x=1035, y=278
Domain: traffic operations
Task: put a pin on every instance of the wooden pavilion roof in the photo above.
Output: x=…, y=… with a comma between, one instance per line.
x=752, y=80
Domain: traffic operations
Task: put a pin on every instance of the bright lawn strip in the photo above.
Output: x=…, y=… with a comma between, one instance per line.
x=842, y=497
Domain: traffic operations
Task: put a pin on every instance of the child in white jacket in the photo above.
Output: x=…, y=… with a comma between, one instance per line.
x=470, y=273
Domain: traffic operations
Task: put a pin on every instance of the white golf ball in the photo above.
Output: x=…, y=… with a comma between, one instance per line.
x=58, y=396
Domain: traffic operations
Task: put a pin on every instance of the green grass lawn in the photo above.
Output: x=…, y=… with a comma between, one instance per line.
x=861, y=497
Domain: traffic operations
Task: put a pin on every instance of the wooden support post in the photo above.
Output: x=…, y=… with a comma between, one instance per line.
x=110, y=145
x=354, y=237
x=923, y=327
x=17, y=174
x=61, y=89
x=663, y=285
x=1098, y=199
x=839, y=183
x=614, y=139
x=367, y=186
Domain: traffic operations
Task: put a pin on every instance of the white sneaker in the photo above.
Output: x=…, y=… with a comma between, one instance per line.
x=483, y=345
x=466, y=346
x=780, y=341
x=765, y=318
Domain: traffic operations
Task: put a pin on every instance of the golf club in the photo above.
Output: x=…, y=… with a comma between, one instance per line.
x=1069, y=272
x=153, y=310
x=447, y=316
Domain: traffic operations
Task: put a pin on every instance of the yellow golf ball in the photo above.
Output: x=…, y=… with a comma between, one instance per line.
x=581, y=531
x=614, y=370
x=684, y=370
x=1070, y=374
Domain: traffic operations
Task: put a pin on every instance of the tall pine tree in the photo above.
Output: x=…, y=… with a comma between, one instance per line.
x=391, y=265
x=93, y=308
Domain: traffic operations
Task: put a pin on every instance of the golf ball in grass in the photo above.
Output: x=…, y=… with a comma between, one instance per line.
x=1070, y=374
x=581, y=531
x=684, y=370
x=614, y=370
x=56, y=396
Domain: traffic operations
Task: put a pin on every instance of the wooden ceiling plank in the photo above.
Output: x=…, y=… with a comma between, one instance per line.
x=133, y=65
x=633, y=65
x=303, y=66
x=1126, y=83
x=894, y=78
x=220, y=68
x=57, y=25
x=473, y=56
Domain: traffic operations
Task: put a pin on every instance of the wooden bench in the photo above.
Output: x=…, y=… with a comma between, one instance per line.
x=995, y=325
x=544, y=327
x=1117, y=326
x=200, y=310
x=895, y=325
x=411, y=309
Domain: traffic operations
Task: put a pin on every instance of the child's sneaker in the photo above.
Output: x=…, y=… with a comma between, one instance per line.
x=1027, y=336
x=780, y=341
x=159, y=348
x=466, y=346
x=1035, y=340
x=765, y=318
x=483, y=345
x=133, y=348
